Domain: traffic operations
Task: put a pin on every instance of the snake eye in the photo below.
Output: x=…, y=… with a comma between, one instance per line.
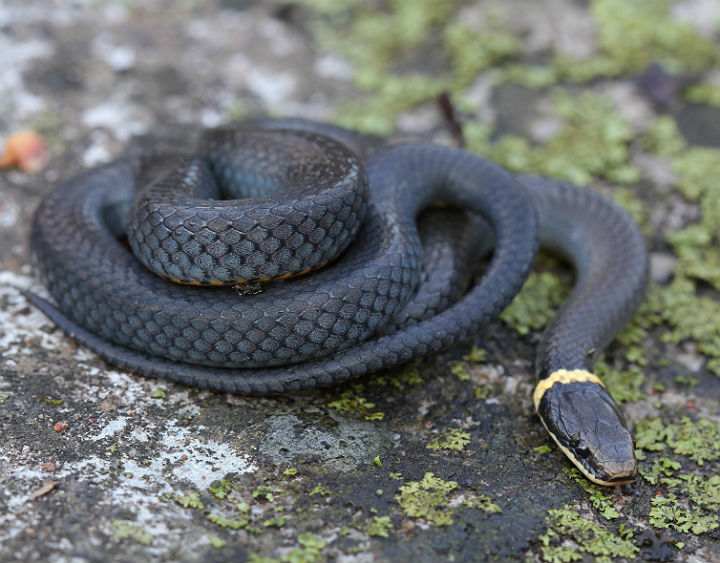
x=582, y=450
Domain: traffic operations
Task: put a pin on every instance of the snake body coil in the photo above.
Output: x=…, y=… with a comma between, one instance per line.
x=328, y=326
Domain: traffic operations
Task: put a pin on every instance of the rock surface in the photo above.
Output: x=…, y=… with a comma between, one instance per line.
x=440, y=460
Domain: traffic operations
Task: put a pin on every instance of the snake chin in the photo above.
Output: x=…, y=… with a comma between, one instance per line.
x=591, y=430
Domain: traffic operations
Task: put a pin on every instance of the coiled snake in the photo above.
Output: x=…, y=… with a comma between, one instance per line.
x=305, y=194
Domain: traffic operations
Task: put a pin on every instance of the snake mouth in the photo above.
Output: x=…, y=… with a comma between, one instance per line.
x=588, y=426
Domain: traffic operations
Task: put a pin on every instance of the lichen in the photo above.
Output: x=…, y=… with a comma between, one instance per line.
x=634, y=33
x=452, y=439
x=225, y=522
x=50, y=401
x=661, y=466
x=378, y=526
x=704, y=93
x=427, y=499
x=700, y=441
x=598, y=497
x=624, y=385
x=662, y=137
x=483, y=503
x=190, y=501
x=220, y=489
x=696, y=244
x=569, y=536
x=310, y=551
x=264, y=492
x=124, y=529
x=471, y=51
x=351, y=402
x=669, y=512
x=533, y=307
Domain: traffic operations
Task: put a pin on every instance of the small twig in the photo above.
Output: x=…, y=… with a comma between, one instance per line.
x=452, y=122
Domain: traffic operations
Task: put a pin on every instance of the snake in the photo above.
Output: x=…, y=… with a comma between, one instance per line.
x=141, y=256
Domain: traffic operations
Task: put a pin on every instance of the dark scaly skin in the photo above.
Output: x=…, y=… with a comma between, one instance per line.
x=513, y=221
x=611, y=266
x=100, y=286
x=276, y=204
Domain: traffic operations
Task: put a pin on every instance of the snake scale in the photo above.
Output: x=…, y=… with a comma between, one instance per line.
x=335, y=213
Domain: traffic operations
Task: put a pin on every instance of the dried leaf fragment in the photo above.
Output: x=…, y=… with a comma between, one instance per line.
x=25, y=150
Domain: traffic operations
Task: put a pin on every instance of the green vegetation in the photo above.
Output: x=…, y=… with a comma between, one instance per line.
x=427, y=499
x=586, y=536
x=123, y=529
x=452, y=439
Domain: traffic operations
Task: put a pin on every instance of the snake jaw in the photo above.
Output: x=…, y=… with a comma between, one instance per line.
x=588, y=426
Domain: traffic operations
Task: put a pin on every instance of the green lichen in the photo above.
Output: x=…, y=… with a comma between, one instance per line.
x=225, y=522
x=700, y=441
x=427, y=499
x=690, y=317
x=704, y=493
x=530, y=76
x=310, y=551
x=650, y=434
x=351, y=402
x=669, y=512
x=452, y=439
x=460, y=370
x=264, y=492
x=625, y=385
x=471, y=51
x=592, y=143
x=378, y=526
x=662, y=137
x=476, y=355
x=634, y=33
x=190, y=501
x=704, y=93
x=159, y=393
x=124, y=529
x=401, y=377
x=221, y=489
x=4, y=396
x=321, y=490
x=600, y=501
x=275, y=522
x=661, y=466
x=533, y=307
x=688, y=380
x=50, y=401
x=696, y=244
x=374, y=40
x=215, y=541
x=569, y=536
x=483, y=503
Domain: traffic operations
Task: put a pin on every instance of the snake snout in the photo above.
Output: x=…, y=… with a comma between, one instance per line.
x=590, y=428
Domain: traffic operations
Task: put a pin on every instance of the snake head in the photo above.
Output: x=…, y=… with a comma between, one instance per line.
x=588, y=425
